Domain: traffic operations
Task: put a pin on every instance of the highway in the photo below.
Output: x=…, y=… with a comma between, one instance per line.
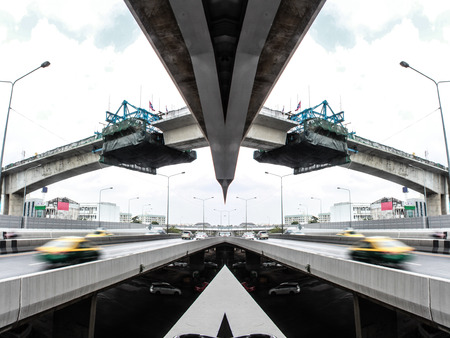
x=429, y=264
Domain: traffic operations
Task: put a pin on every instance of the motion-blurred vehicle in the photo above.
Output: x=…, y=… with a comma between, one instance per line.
x=380, y=250
x=9, y=234
x=68, y=250
x=224, y=234
x=349, y=233
x=286, y=288
x=200, y=235
x=248, y=287
x=248, y=235
x=262, y=235
x=163, y=288
x=187, y=235
x=99, y=233
x=439, y=234
x=294, y=232
x=201, y=287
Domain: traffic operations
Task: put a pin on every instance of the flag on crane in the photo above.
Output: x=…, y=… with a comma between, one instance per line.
x=299, y=105
x=151, y=106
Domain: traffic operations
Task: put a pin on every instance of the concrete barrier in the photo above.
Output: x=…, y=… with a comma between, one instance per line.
x=414, y=293
x=32, y=294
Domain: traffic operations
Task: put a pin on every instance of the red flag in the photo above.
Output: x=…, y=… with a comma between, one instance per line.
x=299, y=105
x=386, y=206
x=151, y=106
x=63, y=206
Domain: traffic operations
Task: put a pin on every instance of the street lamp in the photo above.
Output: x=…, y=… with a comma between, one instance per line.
x=406, y=65
x=246, y=200
x=220, y=212
x=307, y=212
x=43, y=65
x=229, y=211
x=167, y=208
x=281, y=188
x=315, y=198
x=100, y=201
x=25, y=187
x=133, y=198
x=203, y=200
x=350, y=200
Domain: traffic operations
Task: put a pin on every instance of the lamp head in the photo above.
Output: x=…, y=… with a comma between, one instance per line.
x=404, y=64
x=45, y=64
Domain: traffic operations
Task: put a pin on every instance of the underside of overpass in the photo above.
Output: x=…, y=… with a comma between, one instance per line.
x=225, y=57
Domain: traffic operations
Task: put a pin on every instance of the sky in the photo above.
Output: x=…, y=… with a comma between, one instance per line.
x=349, y=57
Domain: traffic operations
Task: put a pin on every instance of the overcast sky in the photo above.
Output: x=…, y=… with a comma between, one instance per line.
x=100, y=57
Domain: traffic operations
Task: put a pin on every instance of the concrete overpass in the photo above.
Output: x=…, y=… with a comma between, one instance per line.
x=30, y=295
x=268, y=131
x=225, y=57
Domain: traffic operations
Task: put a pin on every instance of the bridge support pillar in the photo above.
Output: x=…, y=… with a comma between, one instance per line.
x=76, y=320
x=373, y=320
x=252, y=261
x=197, y=260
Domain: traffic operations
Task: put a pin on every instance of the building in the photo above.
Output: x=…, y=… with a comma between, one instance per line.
x=149, y=219
x=34, y=207
x=387, y=208
x=343, y=212
x=324, y=217
x=108, y=212
x=415, y=207
x=300, y=219
x=62, y=208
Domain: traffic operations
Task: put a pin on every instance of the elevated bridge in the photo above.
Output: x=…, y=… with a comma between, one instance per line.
x=268, y=132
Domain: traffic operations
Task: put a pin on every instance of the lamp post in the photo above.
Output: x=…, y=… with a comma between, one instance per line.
x=168, y=192
x=246, y=200
x=43, y=65
x=281, y=198
x=25, y=187
x=203, y=201
x=307, y=212
x=100, y=201
x=220, y=212
x=350, y=201
x=406, y=65
x=315, y=198
x=133, y=198
x=229, y=211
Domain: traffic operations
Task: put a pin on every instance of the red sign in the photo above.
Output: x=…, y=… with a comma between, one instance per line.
x=386, y=206
x=63, y=206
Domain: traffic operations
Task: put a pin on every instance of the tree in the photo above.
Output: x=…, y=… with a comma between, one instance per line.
x=136, y=219
x=314, y=219
x=294, y=223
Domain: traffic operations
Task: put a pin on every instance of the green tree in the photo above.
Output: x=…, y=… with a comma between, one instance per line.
x=136, y=219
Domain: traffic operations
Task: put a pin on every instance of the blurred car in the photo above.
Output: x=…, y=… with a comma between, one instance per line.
x=200, y=288
x=350, y=233
x=248, y=235
x=99, y=233
x=200, y=235
x=187, y=235
x=379, y=249
x=439, y=234
x=163, y=288
x=286, y=288
x=68, y=250
x=294, y=232
x=224, y=234
x=248, y=287
x=9, y=234
x=262, y=235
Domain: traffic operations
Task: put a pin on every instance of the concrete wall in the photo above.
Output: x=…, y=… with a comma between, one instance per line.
x=29, y=295
x=417, y=294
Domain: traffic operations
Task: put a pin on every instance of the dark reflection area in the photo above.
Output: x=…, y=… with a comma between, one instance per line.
x=318, y=310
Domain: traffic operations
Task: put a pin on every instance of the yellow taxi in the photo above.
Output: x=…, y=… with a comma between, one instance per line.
x=99, y=233
x=68, y=250
x=349, y=233
x=381, y=250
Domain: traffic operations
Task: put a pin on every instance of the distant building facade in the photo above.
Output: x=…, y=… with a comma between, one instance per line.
x=104, y=211
x=62, y=208
x=343, y=212
x=386, y=208
x=300, y=219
